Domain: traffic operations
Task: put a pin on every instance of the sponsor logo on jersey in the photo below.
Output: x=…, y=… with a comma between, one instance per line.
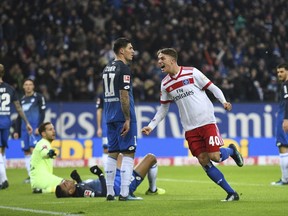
x=87, y=193
x=126, y=79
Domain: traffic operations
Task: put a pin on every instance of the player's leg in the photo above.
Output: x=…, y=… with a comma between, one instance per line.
x=148, y=166
x=105, y=151
x=127, y=146
x=27, y=153
x=4, y=134
x=111, y=164
x=283, y=157
x=198, y=142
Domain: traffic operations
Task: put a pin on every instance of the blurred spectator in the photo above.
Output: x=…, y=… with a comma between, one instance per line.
x=64, y=45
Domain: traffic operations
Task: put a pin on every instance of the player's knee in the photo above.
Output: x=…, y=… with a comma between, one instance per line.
x=152, y=158
x=203, y=159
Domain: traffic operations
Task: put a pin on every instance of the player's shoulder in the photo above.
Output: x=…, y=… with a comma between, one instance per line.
x=7, y=86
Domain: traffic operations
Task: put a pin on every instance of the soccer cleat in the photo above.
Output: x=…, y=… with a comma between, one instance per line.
x=129, y=198
x=279, y=183
x=36, y=190
x=231, y=197
x=110, y=198
x=159, y=191
x=237, y=157
x=4, y=185
x=27, y=180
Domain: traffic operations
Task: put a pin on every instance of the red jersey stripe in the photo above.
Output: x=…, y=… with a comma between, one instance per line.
x=179, y=84
x=207, y=85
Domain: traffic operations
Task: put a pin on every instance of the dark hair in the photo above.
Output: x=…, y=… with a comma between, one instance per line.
x=59, y=192
x=283, y=65
x=169, y=51
x=42, y=127
x=28, y=79
x=120, y=43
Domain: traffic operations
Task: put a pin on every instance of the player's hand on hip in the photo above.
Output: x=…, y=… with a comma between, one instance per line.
x=146, y=130
x=126, y=128
x=227, y=106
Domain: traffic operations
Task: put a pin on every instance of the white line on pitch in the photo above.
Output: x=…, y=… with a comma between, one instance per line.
x=37, y=211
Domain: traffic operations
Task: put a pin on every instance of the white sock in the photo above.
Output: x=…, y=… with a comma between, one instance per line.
x=27, y=159
x=284, y=166
x=126, y=174
x=152, y=176
x=110, y=175
x=104, y=160
x=3, y=176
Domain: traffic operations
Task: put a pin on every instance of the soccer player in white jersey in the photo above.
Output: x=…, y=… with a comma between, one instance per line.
x=186, y=87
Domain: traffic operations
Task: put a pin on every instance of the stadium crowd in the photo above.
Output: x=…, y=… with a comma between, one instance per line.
x=64, y=44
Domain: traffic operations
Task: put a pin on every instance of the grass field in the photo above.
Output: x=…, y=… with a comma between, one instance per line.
x=188, y=192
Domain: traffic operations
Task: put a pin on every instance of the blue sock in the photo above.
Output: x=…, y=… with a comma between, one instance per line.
x=225, y=153
x=218, y=177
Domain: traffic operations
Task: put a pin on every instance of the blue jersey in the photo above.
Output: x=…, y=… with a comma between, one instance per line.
x=117, y=76
x=7, y=97
x=34, y=107
x=100, y=105
x=281, y=136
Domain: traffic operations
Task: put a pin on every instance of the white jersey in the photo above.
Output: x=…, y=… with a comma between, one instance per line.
x=187, y=89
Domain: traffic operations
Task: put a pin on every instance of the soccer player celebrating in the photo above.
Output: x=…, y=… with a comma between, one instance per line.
x=186, y=87
x=7, y=98
x=120, y=117
x=34, y=106
x=282, y=125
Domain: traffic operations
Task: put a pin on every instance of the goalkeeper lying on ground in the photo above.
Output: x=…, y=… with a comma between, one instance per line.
x=97, y=187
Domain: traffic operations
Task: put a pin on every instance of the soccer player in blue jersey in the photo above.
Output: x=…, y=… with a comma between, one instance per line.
x=34, y=106
x=7, y=98
x=102, y=128
x=282, y=124
x=120, y=117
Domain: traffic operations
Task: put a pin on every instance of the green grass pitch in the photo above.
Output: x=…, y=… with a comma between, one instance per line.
x=188, y=192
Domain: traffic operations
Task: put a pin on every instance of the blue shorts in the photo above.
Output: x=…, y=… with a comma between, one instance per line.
x=28, y=141
x=118, y=143
x=136, y=180
x=281, y=136
x=4, y=135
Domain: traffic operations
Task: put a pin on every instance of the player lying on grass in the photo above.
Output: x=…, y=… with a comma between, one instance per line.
x=97, y=188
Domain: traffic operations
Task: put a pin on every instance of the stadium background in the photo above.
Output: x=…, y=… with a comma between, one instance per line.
x=64, y=45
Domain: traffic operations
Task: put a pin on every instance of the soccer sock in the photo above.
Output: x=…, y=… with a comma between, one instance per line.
x=218, y=177
x=126, y=174
x=152, y=176
x=284, y=166
x=110, y=175
x=104, y=160
x=27, y=163
x=225, y=153
x=3, y=176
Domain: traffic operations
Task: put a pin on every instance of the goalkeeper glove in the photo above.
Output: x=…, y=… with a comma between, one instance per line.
x=96, y=170
x=75, y=176
x=51, y=153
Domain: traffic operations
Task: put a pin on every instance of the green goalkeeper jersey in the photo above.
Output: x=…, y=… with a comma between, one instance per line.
x=41, y=174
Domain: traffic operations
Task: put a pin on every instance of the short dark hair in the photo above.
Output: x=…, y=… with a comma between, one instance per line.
x=169, y=51
x=283, y=65
x=28, y=79
x=42, y=127
x=120, y=43
x=59, y=192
